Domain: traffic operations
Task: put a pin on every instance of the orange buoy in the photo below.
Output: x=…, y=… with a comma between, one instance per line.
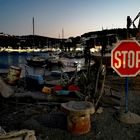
x=46, y=90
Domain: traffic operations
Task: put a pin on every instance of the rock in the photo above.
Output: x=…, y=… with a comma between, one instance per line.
x=99, y=110
x=19, y=135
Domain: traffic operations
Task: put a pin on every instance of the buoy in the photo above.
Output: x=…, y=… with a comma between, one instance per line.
x=46, y=90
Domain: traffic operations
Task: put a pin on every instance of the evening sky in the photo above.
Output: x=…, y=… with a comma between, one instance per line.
x=75, y=17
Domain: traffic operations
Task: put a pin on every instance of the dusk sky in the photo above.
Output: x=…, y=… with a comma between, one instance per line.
x=76, y=17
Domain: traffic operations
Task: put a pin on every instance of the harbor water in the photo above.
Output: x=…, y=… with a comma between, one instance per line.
x=15, y=58
x=19, y=60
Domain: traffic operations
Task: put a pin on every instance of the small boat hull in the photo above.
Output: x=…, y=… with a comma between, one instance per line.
x=36, y=61
x=106, y=59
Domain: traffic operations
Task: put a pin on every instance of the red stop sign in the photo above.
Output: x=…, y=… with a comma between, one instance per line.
x=125, y=58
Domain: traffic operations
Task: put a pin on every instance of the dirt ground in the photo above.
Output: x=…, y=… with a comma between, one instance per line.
x=50, y=123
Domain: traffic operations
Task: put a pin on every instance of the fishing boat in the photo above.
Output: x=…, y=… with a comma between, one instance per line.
x=53, y=62
x=105, y=56
x=36, y=60
x=104, y=53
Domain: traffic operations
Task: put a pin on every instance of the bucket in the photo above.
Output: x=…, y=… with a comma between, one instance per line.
x=13, y=75
x=78, y=124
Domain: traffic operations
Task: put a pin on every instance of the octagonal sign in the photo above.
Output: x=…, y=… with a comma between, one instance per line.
x=125, y=58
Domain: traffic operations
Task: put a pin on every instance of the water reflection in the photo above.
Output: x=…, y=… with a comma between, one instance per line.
x=16, y=59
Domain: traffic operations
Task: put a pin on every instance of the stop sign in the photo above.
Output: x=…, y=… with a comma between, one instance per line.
x=125, y=58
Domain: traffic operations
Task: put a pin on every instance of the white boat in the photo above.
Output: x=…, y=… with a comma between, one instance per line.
x=105, y=56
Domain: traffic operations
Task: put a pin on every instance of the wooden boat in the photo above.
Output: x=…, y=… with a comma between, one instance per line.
x=36, y=61
x=103, y=55
x=105, y=58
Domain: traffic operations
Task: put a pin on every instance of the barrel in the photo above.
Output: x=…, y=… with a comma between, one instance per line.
x=78, y=124
x=78, y=116
x=13, y=75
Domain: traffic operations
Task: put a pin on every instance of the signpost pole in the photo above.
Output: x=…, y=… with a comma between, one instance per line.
x=126, y=78
x=126, y=94
x=125, y=60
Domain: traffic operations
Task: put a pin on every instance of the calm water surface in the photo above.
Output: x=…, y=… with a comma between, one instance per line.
x=19, y=60
x=15, y=58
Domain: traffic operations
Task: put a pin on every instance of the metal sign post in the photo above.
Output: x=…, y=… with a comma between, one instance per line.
x=125, y=60
x=126, y=94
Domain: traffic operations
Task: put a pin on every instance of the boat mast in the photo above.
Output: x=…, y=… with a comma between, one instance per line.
x=33, y=27
x=62, y=38
x=33, y=32
x=62, y=33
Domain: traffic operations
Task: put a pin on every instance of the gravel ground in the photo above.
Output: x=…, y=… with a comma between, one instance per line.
x=50, y=123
